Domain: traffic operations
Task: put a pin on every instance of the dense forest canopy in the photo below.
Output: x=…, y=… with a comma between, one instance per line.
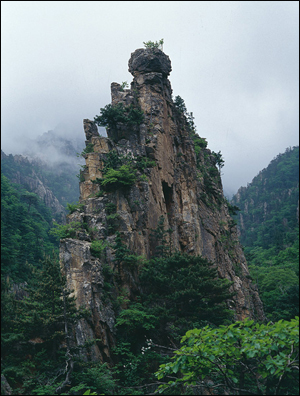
x=25, y=225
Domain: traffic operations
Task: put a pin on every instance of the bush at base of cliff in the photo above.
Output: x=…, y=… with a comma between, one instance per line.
x=94, y=377
x=188, y=288
x=35, y=342
x=179, y=293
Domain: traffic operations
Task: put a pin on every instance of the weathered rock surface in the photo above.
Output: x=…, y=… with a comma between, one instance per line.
x=182, y=186
x=149, y=60
x=5, y=387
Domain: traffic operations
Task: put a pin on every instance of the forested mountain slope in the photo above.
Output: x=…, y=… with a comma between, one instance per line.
x=47, y=167
x=25, y=225
x=268, y=224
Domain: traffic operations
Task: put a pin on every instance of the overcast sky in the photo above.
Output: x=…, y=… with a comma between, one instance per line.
x=235, y=63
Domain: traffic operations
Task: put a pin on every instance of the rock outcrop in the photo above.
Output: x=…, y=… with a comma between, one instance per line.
x=176, y=183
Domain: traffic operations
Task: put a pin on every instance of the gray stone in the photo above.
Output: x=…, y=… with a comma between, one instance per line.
x=146, y=60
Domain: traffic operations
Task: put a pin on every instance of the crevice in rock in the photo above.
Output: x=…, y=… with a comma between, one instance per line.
x=168, y=196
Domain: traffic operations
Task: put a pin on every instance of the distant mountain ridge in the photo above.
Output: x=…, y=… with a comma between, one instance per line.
x=268, y=224
x=270, y=203
x=53, y=148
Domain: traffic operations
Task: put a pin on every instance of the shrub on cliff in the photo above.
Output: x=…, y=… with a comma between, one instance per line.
x=98, y=247
x=111, y=115
x=61, y=231
x=122, y=177
x=73, y=207
x=180, y=104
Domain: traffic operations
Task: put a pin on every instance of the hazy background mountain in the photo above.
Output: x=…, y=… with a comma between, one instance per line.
x=47, y=166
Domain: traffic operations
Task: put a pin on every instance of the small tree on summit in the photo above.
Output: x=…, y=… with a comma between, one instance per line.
x=157, y=44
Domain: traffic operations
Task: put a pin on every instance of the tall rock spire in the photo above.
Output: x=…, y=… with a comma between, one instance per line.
x=173, y=181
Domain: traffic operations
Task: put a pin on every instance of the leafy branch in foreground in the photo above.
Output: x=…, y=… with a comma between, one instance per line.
x=242, y=358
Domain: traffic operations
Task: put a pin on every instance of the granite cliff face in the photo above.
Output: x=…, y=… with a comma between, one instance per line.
x=177, y=183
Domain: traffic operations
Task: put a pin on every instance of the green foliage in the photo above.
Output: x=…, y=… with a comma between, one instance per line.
x=73, y=207
x=25, y=225
x=80, y=177
x=122, y=177
x=98, y=247
x=121, y=171
x=29, y=198
x=191, y=123
x=61, y=180
x=121, y=250
x=135, y=318
x=124, y=85
x=232, y=209
x=111, y=115
x=35, y=328
x=154, y=44
x=219, y=159
x=110, y=208
x=112, y=223
x=113, y=161
x=158, y=236
x=271, y=200
x=180, y=107
x=189, y=290
x=143, y=163
x=144, y=178
x=94, y=378
x=176, y=293
x=278, y=283
x=88, y=149
x=135, y=370
x=242, y=358
x=118, y=172
x=61, y=231
x=199, y=143
x=270, y=233
x=180, y=104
